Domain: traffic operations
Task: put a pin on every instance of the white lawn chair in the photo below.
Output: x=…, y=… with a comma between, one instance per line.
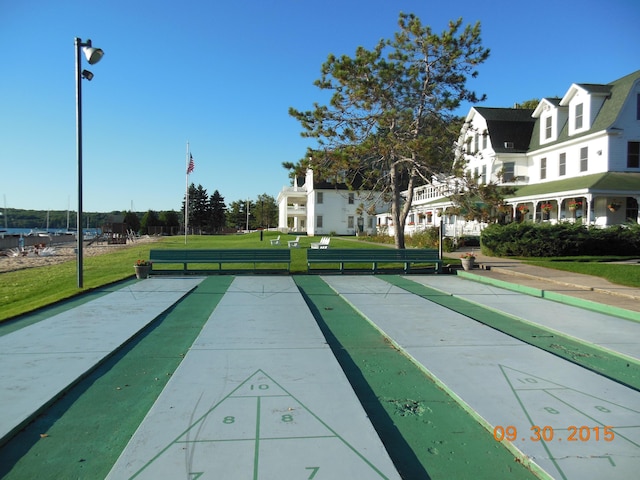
x=294, y=243
x=275, y=241
x=323, y=244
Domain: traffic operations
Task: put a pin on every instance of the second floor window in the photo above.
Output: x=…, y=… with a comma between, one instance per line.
x=548, y=123
x=578, y=120
x=509, y=171
x=584, y=159
x=319, y=197
x=562, y=165
x=351, y=199
x=543, y=168
x=633, y=155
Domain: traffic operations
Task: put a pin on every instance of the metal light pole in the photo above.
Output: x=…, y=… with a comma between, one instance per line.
x=93, y=55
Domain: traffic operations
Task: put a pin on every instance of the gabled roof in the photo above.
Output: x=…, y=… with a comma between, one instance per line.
x=596, y=183
x=553, y=102
x=617, y=92
x=590, y=88
x=508, y=126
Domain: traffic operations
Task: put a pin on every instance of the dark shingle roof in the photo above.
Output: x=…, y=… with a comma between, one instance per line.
x=512, y=125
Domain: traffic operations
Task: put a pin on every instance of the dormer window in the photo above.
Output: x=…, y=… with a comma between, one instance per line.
x=578, y=116
x=548, y=127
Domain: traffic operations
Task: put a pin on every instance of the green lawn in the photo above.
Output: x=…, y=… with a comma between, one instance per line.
x=27, y=290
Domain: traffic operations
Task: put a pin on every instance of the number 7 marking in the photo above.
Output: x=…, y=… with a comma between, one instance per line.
x=313, y=473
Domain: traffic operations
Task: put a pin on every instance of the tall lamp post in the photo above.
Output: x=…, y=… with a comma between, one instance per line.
x=93, y=55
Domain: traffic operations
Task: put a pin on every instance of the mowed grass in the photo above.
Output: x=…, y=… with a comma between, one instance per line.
x=24, y=291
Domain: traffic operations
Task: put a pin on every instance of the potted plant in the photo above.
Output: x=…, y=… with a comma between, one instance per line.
x=614, y=206
x=468, y=260
x=574, y=204
x=546, y=207
x=523, y=209
x=142, y=268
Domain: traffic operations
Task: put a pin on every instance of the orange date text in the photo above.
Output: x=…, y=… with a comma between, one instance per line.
x=571, y=434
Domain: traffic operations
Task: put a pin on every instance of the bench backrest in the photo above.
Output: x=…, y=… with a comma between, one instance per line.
x=374, y=255
x=222, y=255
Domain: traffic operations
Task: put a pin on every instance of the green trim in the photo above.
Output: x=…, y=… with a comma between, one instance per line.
x=595, y=183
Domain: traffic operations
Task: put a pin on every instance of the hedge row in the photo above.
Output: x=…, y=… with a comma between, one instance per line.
x=558, y=240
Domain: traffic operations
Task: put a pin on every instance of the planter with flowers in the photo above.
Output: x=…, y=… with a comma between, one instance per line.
x=523, y=209
x=546, y=207
x=574, y=205
x=614, y=206
x=468, y=260
x=142, y=268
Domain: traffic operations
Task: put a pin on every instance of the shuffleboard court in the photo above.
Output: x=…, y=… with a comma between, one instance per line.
x=571, y=422
x=40, y=361
x=258, y=396
x=613, y=333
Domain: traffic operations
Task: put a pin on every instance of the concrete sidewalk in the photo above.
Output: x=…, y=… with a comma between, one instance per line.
x=586, y=287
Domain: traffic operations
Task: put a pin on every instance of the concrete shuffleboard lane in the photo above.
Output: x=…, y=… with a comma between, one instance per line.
x=607, y=331
x=554, y=411
x=41, y=361
x=258, y=396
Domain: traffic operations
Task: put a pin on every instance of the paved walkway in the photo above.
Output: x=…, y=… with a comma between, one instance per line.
x=585, y=287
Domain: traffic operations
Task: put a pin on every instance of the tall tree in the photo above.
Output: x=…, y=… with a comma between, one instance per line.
x=266, y=211
x=198, y=207
x=170, y=220
x=390, y=116
x=237, y=214
x=132, y=220
x=149, y=220
x=217, y=209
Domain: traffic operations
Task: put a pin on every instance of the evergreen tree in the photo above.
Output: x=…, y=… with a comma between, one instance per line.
x=132, y=220
x=389, y=120
x=217, y=209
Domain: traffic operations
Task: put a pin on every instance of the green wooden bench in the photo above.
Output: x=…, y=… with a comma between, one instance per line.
x=207, y=256
x=342, y=256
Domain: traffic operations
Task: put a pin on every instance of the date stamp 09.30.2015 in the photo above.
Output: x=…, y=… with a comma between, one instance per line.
x=572, y=433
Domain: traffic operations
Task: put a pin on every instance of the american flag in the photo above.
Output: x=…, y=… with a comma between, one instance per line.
x=191, y=165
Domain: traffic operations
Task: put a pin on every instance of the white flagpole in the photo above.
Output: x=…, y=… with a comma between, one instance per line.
x=186, y=203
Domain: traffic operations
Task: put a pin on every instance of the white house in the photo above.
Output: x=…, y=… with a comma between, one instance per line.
x=318, y=207
x=575, y=157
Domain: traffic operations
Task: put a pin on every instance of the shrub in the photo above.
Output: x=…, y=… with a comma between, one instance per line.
x=563, y=239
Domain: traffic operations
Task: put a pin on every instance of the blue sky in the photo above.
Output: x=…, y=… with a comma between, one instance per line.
x=222, y=75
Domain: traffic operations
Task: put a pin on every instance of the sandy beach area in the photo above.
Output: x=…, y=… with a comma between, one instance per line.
x=64, y=253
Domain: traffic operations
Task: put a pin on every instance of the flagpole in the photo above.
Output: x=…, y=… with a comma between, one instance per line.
x=186, y=203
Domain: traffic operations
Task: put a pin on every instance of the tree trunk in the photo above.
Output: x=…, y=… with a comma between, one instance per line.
x=396, y=208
